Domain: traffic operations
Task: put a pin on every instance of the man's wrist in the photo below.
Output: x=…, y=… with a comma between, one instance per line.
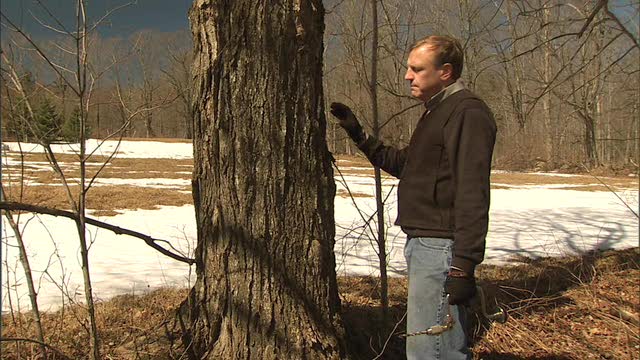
x=358, y=136
x=354, y=130
x=464, y=264
x=458, y=273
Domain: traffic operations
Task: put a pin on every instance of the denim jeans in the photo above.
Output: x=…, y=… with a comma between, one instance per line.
x=428, y=261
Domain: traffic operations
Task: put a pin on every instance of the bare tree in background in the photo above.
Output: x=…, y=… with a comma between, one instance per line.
x=178, y=74
x=148, y=65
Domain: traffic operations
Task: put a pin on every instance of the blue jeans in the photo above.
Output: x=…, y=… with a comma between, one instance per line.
x=428, y=261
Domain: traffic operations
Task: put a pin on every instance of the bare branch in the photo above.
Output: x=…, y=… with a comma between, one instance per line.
x=599, y=5
x=47, y=26
x=70, y=52
x=400, y=113
x=108, y=13
x=15, y=206
x=611, y=190
x=55, y=67
x=550, y=88
x=54, y=18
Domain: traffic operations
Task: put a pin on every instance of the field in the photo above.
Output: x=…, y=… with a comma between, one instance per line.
x=128, y=183
x=547, y=253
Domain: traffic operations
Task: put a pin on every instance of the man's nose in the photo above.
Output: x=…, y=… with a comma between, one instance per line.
x=408, y=75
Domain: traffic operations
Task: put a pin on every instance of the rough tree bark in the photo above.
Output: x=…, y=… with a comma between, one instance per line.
x=263, y=184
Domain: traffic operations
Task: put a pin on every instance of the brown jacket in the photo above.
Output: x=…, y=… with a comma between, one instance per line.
x=444, y=175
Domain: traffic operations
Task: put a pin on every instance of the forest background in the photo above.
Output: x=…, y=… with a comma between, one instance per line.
x=564, y=95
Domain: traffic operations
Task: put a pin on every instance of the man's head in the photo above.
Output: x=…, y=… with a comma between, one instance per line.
x=434, y=63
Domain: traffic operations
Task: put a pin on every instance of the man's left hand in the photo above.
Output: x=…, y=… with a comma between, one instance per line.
x=461, y=287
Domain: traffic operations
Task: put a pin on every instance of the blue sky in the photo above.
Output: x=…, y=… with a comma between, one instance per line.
x=165, y=15
x=162, y=15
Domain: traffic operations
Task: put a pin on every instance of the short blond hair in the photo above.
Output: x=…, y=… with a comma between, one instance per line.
x=448, y=50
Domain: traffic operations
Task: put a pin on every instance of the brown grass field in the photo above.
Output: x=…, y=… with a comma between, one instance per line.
x=560, y=308
x=102, y=200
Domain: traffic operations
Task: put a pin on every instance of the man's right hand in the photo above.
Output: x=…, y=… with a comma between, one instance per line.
x=347, y=121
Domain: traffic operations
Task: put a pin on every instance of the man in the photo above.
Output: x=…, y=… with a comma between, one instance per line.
x=443, y=194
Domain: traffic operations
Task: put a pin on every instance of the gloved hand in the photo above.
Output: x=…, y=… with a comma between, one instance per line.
x=347, y=121
x=460, y=286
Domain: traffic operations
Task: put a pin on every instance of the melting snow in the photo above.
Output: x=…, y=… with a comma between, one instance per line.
x=524, y=220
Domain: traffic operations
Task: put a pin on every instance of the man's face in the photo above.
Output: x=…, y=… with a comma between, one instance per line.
x=425, y=78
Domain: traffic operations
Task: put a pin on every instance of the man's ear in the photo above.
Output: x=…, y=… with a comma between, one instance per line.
x=447, y=72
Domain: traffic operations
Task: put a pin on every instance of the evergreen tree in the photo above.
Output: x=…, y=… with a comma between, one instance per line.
x=16, y=125
x=71, y=127
x=48, y=123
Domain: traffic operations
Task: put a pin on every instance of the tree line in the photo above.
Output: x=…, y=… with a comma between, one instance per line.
x=564, y=94
x=141, y=85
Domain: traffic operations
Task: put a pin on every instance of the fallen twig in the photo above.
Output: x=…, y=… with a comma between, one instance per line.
x=58, y=352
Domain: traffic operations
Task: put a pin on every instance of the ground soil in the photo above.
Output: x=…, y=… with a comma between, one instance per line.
x=560, y=308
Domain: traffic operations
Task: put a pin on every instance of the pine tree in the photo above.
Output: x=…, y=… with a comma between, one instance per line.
x=71, y=127
x=16, y=122
x=48, y=123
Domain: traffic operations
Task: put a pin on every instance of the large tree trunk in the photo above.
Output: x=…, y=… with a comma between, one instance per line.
x=263, y=184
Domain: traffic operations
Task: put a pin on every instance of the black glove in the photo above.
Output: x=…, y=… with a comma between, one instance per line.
x=348, y=121
x=460, y=286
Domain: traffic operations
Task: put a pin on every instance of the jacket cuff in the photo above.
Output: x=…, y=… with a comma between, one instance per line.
x=467, y=266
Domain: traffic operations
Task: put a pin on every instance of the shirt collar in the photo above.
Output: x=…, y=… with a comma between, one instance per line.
x=444, y=93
